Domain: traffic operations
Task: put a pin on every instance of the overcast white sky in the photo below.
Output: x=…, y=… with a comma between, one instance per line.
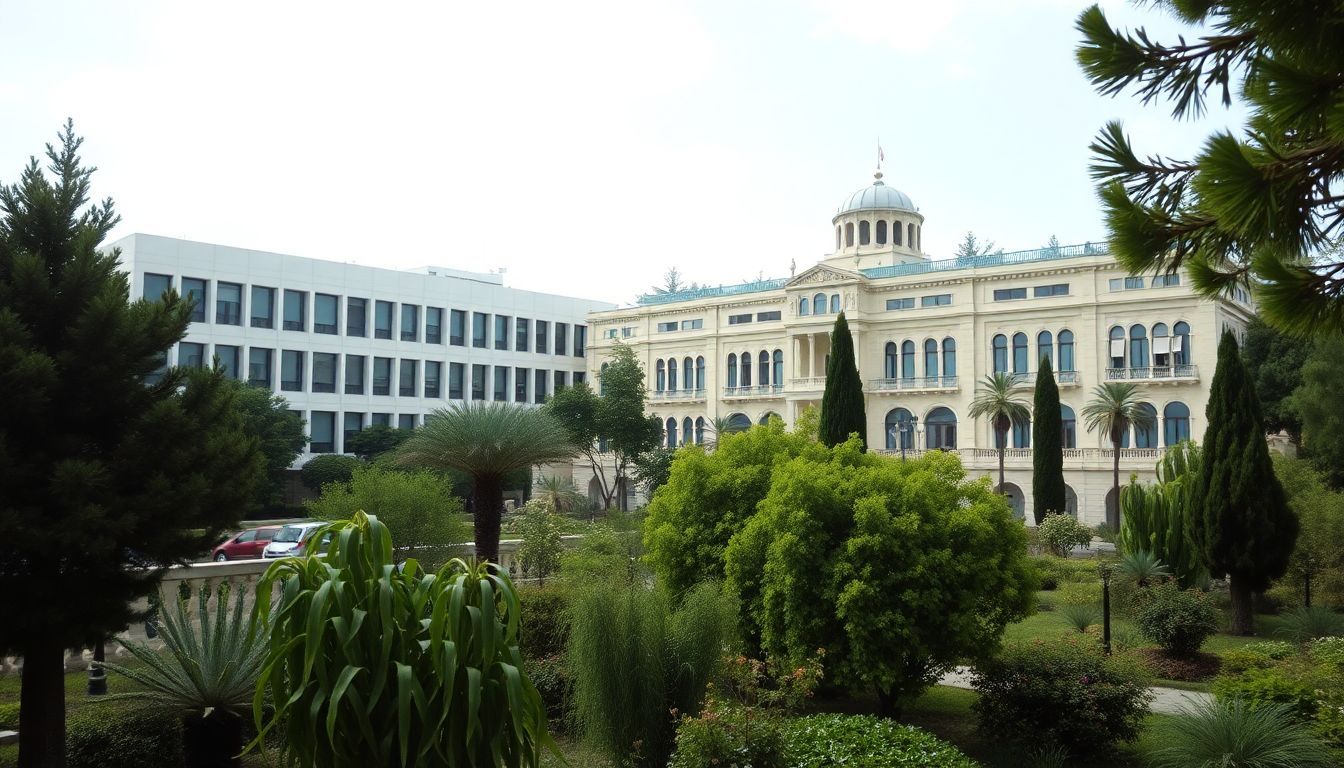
x=585, y=146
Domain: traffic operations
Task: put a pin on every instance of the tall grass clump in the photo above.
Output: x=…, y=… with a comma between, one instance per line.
x=1237, y=734
x=636, y=655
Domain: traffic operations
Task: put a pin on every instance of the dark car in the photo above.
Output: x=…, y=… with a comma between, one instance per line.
x=245, y=545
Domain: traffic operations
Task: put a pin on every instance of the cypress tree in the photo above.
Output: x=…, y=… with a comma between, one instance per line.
x=842, y=409
x=1241, y=522
x=1047, y=459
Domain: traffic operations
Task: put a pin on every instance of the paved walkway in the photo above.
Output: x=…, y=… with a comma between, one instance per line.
x=1170, y=701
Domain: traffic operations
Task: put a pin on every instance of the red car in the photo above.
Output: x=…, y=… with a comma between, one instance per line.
x=246, y=545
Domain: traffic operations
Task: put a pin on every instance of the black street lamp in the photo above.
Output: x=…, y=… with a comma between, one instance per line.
x=1105, y=570
x=902, y=431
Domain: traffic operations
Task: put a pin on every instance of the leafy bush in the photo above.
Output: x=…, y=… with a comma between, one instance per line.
x=550, y=675
x=1255, y=656
x=419, y=509
x=539, y=552
x=824, y=741
x=1328, y=651
x=1079, y=594
x=9, y=715
x=1065, y=693
x=1236, y=733
x=1289, y=685
x=1106, y=533
x=544, y=620
x=1055, y=571
x=117, y=735
x=1178, y=620
x=1273, y=649
x=1061, y=533
x=328, y=468
x=603, y=553
x=1304, y=624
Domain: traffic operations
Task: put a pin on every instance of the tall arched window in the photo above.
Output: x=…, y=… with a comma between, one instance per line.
x=777, y=360
x=907, y=359
x=803, y=307
x=766, y=417
x=900, y=430
x=849, y=235
x=863, y=233
x=1068, y=427
x=949, y=357
x=889, y=366
x=1176, y=418
x=699, y=430
x=1117, y=347
x=819, y=304
x=671, y=433
x=745, y=378
x=763, y=369
x=602, y=380
x=1138, y=347
x=661, y=380
x=1045, y=348
x=732, y=372
x=738, y=422
x=835, y=303
x=1022, y=435
x=895, y=233
x=1146, y=436
x=687, y=377
x=1020, y=353
x=700, y=373
x=672, y=375
x=837, y=237
x=930, y=358
x=910, y=236
x=1161, y=348
x=1066, y=350
x=686, y=427
x=1180, y=344
x=940, y=429
x=882, y=232
x=1000, y=353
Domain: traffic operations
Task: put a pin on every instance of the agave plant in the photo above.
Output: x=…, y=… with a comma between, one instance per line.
x=1143, y=568
x=208, y=674
x=1080, y=617
x=1237, y=733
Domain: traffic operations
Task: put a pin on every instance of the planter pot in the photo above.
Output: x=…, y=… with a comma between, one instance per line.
x=212, y=742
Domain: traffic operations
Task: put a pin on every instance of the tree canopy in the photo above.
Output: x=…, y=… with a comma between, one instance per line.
x=972, y=246
x=375, y=440
x=1049, y=492
x=1320, y=402
x=279, y=434
x=419, y=509
x=842, y=404
x=1274, y=362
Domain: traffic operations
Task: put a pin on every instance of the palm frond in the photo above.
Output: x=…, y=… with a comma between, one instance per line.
x=994, y=399
x=1114, y=407
x=487, y=438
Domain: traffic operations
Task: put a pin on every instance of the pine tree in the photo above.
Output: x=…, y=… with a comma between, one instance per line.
x=842, y=408
x=107, y=473
x=1047, y=458
x=1241, y=521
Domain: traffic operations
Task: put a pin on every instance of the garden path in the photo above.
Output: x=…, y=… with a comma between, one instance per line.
x=1170, y=701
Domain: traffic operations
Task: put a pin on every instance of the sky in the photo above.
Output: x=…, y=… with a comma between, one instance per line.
x=583, y=147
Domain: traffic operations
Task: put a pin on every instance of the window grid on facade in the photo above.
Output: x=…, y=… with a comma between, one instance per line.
x=322, y=431
x=477, y=381
x=457, y=373
x=406, y=375
x=324, y=372
x=382, y=376
x=542, y=337
x=433, y=374
x=354, y=374
x=194, y=288
x=501, y=389
x=521, y=325
x=291, y=370
x=156, y=286
x=410, y=322
x=262, y=310
x=228, y=303
x=295, y=310
x=227, y=355
x=325, y=310
x=382, y=319
x=356, y=317
x=501, y=332
x=522, y=377
x=539, y=391
x=433, y=325
x=457, y=327
x=259, y=367
x=1010, y=294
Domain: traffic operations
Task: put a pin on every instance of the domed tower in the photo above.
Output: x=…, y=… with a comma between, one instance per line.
x=876, y=226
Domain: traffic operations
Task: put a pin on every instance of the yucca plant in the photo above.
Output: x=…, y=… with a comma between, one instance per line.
x=371, y=663
x=1143, y=568
x=207, y=675
x=1080, y=617
x=1236, y=734
x=1303, y=624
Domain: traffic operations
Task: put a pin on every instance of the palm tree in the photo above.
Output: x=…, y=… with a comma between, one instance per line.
x=995, y=400
x=487, y=441
x=560, y=494
x=1114, y=407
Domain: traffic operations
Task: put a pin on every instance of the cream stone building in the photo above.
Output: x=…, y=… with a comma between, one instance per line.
x=926, y=331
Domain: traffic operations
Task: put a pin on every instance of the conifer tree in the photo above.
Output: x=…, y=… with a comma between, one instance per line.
x=108, y=470
x=1047, y=458
x=842, y=408
x=1241, y=522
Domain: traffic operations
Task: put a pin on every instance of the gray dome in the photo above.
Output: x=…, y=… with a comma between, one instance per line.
x=878, y=197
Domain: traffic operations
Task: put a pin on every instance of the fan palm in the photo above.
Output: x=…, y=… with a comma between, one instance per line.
x=561, y=495
x=487, y=441
x=995, y=400
x=1114, y=407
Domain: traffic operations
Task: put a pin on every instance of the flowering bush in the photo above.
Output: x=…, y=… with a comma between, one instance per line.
x=1061, y=533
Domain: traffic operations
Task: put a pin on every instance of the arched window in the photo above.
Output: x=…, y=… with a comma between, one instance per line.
x=889, y=366
x=766, y=417
x=940, y=429
x=686, y=427
x=907, y=359
x=919, y=237
x=819, y=304
x=910, y=236
x=1000, y=353
x=900, y=430
x=1022, y=435
x=1020, y=353
x=837, y=237
x=700, y=373
x=930, y=358
x=835, y=303
x=661, y=376
x=777, y=376
x=882, y=232
x=732, y=372
x=895, y=233
x=763, y=369
x=1176, y=417
x=672, y=375
x=671, y=433
x=863, y=233
x=1138, y=347
x=1068, y=428
x=802, y=307
x=1117, y=347
x=1066, y=350
x=602, y=380
x=738, y=422
x=687, y=377
x=1146, y=436
x=699, y=430
x=1180, y=344
x=849, y=235
x=745, y=378
x=1045, y=348
x=1161, y=348
x=949, y=357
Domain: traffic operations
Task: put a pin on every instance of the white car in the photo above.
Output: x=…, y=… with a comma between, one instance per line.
x=292, y=540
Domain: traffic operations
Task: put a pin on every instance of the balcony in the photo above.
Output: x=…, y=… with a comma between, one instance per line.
x=1155, y=373
x=761, y=390
x=1086, y=458
x=808, y=384
x=913, y=384
x=1062, y=378
x=677, y=395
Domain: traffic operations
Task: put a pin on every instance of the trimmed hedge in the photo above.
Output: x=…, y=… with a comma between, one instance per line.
x=545, y=620
x=118, y=735
x=823, y=741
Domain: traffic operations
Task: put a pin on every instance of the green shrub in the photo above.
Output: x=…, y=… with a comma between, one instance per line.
x=1078, y=594
x=9, y=715
x=1056, y=571
x=1328, y=651
x=541, y=546
x=1274, y=649
x=1236, y=733
x=1080, y=617
x=1064, y=693
x=328, y=468
x=550, y=675
x=1255, y=656
x=117, y=735
x=1178, y=620
x=1304, y=624
x=824, y=741
x=1290, y=685
x=1061, y=533
x=421, y=513
x=543, y=619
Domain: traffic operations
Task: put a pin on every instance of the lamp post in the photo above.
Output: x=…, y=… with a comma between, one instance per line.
x=903, y=430
x=97, y=675
x=1105, y=570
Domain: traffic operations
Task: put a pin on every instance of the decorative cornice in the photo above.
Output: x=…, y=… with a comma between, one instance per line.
x=823, y=273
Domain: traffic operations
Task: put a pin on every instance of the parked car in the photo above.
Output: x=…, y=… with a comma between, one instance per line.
x=245, y=545
x=292, y=540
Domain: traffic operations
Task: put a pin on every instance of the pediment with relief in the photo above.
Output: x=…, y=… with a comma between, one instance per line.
x=823, y=274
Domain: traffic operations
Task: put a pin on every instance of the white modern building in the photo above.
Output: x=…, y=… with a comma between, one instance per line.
x=925, y=332
x=350, y=345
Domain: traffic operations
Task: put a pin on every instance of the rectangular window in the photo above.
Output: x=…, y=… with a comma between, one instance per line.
x=325, y=310
x=191, y=355
x=561, y=338
x=907, y=303
x=357, y=317
x=561, y=380
x=156, y=286
x=433, y=325
x=263, y=307
x=457, y=327
x=501, y=382
x=381, y=420
x=228, y=303
x=479, y=328
x=228, y=359
x=457, y=372
x=580, y=340
x=406, y=421
x=194, y=288
x=382, y=319
x=295, y=310
x=382, y=375
x=739, y=319
x=692, y=325
x=612, y=333
x=406, y=378
x=323, y=431
x=259, y=367
x=580, y=377
x=521, y=378
x=478, y=382
x=354, y=422
x=667, y=327
x=521, y=326
x=543, y=336
x=433, y=374
x=936, y=300
x=1126, y=283
x=291, y=371
x=354, y=374
x=539, y=391
x=1058, y=289
x=627, y=331
x=1165, y=281
x=1010, y=294
x=324, y=372
x=765, y=317
x=501, y=331
x=410, y=322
